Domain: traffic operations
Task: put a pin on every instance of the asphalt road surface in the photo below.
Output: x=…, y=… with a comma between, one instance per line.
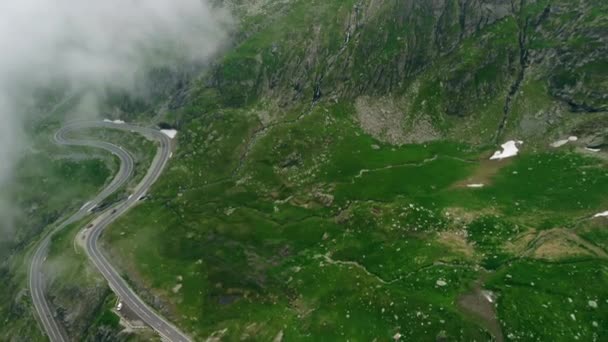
x=53, y=329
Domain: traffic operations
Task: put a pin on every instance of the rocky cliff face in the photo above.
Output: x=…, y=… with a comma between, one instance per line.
x=463, y=65
x=353, y=47
x=576, y=54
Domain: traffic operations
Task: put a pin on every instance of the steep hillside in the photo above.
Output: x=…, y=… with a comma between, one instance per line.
x=332, y=178
x=449, y=67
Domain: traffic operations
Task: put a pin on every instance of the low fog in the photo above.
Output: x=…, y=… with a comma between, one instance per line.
x=86, y=44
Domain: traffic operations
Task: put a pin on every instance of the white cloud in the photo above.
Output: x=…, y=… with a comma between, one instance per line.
x=93, y=43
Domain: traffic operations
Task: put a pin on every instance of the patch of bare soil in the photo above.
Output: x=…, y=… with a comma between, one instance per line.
x=554, y=244
x=484, y=172
x=557, y=249
x=301, y=307
x=521, y=242
x=385, y=121
x=457, y=242
x=479, y=303
x=252, y=330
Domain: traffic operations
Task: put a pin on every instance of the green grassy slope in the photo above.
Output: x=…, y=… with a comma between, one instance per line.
x=285, y=215
x=319, y=190
x=320, y=233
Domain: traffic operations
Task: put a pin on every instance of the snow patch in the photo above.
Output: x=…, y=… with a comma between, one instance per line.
x=475, y=185
x=119, y=122
x=488, y=295
x=604, y=214
x=563, y=142
x=509, y=149
x=171, y=133
x=592, y=149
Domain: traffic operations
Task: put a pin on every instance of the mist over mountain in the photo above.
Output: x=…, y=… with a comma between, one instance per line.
x=411, y=170
x=91, y=44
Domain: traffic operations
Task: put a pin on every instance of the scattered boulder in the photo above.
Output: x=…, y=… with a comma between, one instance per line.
x=325, y=199
x=294, y=159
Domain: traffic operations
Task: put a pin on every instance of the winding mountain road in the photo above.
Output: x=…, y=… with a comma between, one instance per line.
x=36, y=277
